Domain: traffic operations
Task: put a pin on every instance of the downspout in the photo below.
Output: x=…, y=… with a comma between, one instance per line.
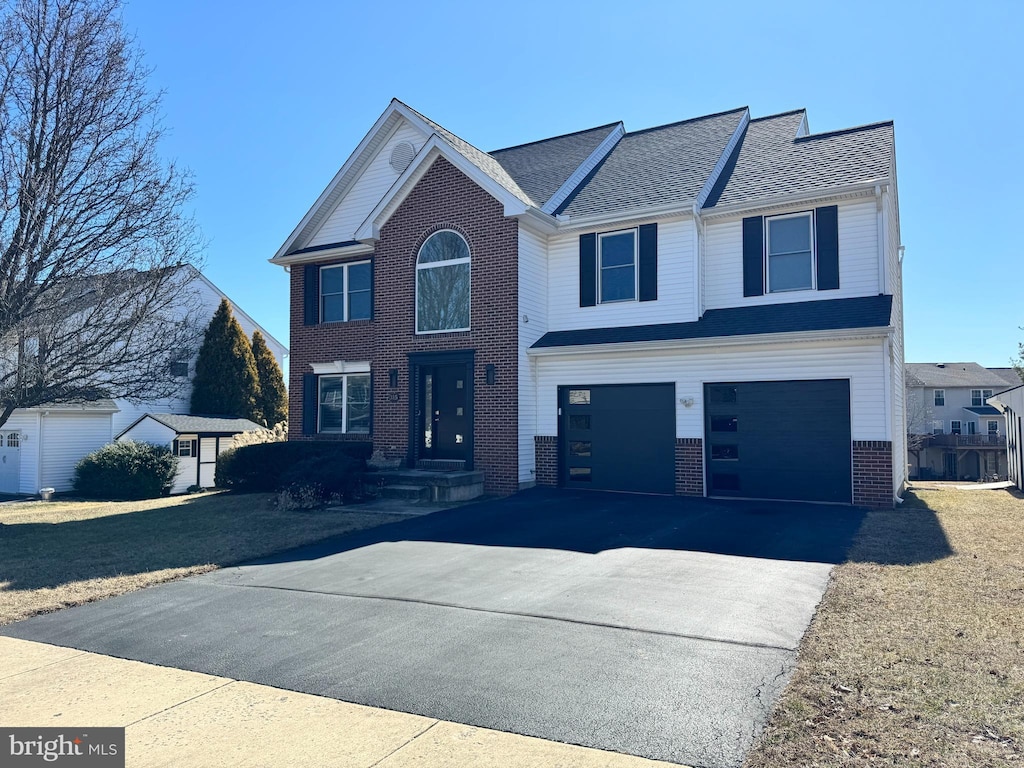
x=698, y=262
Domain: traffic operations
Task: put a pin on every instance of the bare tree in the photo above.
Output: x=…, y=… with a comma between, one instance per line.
x=92, y=233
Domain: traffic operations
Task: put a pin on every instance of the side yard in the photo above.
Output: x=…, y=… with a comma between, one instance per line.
x=916, y=654
x=55, y=555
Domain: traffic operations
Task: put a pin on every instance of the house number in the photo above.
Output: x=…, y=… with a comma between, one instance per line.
x=393, y=397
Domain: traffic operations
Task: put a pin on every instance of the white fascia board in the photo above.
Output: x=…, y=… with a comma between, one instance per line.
x=574, y=180
x=434, y=147
x=857, y=334
x=359, y=249
x=384, y=122
x=669, y=210
x=537, y=222
x=723, y=159
x=847, y=191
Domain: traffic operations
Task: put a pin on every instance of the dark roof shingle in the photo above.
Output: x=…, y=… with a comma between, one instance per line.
x=826, y=315
x=182, y=423
x=770, y=160
x=667, y=164
x=542, y=167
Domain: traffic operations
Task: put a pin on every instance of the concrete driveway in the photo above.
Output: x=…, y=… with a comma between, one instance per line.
x=654, y=626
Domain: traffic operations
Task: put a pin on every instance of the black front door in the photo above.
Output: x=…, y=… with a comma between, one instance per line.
x=444, y=412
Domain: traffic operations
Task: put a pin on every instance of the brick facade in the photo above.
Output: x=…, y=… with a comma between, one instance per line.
x=872, y=474
x=689, y=466
x=443, y=199
x=546, y=452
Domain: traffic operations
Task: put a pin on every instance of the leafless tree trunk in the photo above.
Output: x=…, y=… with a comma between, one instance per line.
x=92, y=235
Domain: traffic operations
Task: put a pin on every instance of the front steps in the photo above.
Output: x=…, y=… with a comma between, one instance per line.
x=428, y=485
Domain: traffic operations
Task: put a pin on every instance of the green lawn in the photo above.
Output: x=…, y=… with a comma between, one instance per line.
x=916, y=654
x=54, y=555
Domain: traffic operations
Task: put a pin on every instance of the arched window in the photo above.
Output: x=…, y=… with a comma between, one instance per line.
x=442, y=284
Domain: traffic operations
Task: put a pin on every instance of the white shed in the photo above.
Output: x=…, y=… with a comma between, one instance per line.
x=197, y=441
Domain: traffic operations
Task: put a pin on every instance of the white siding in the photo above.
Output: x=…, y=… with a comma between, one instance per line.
x=27, y=424
x=149, y=431
x=689, y=370
x=676, y=295
x=66, y=439
x=895, y=286
x=858, y=260
x=187, y=469
x=533, y=322
x=367, y=191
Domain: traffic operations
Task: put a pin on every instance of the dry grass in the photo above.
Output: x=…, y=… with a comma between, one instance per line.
x=66, y=553
x=915, y=656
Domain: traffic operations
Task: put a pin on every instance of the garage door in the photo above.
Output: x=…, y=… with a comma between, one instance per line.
x=779, y=440
x=618, y=437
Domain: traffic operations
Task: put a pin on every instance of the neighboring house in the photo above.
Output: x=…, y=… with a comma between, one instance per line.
x=711, y=307
x=953, y=432
x=197, y=441
x=41, y=446
x=1010, y=404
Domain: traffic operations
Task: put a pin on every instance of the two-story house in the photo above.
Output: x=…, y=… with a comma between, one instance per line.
x=39, y=447
x=711, y=307
x=953, y=432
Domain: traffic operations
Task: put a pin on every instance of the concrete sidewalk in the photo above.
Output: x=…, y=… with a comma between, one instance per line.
x=174, y=717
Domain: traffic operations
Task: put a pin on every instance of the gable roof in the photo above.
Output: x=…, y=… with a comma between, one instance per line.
x=185, y=424
x=656, y=166
x=542, y=167
x=772, y=159
x=954, y=375
x=794, y=317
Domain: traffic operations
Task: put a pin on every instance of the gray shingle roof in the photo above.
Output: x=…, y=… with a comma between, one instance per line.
x=826, y=315
x=955, y=375
x=541, y=167
x=481, y=159
x=769, y=160
x=667, y=164
x=183, y=424
x=1008, y=374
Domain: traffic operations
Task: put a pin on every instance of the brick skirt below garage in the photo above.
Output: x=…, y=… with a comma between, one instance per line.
x=546, y=457
x=689, y=466
x=872, y=474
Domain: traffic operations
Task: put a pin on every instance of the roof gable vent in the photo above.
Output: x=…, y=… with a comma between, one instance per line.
x=401, y=155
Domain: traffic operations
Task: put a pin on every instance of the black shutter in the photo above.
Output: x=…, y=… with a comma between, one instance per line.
x=195, y=448
x=648, y=250
x=753, y=256
x=588, y=270
x=371, y=403
x=311, y=283
x=372, y=263
x=309, y=404
x=174, y=447
x=826, y=236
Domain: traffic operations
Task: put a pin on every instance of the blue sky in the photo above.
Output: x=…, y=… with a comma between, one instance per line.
x=265, y=101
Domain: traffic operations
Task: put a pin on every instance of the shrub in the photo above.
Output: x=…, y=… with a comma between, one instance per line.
x=259, y=468
x=328, y=475
x=126, y=470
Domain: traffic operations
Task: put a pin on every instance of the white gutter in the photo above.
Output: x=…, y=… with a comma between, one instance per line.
x=853, y=334
x=777, y=201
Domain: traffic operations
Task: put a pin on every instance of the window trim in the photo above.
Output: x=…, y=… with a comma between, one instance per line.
x=936, y=397
x=344, y=403
x=768, y=251
x=344, y=266
x=959, y=427
x=636, y=264
x=180, y=443
x=992, y=423
x=432, y=265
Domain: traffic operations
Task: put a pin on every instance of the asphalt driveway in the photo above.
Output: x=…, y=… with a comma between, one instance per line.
x=655, y=626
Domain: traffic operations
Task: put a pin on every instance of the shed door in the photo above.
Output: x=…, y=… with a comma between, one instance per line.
x=618, y=437
x=779, y=440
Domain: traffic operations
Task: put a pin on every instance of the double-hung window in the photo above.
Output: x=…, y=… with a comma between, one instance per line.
x=344, y=404
x=617, y=257
x=993, y=427
x=940, y=397
x=345, y=292
x=979, y=396
x=955, y=427
x=790, y=252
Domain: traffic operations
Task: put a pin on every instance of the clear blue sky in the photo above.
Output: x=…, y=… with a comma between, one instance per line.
x=265, y=101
